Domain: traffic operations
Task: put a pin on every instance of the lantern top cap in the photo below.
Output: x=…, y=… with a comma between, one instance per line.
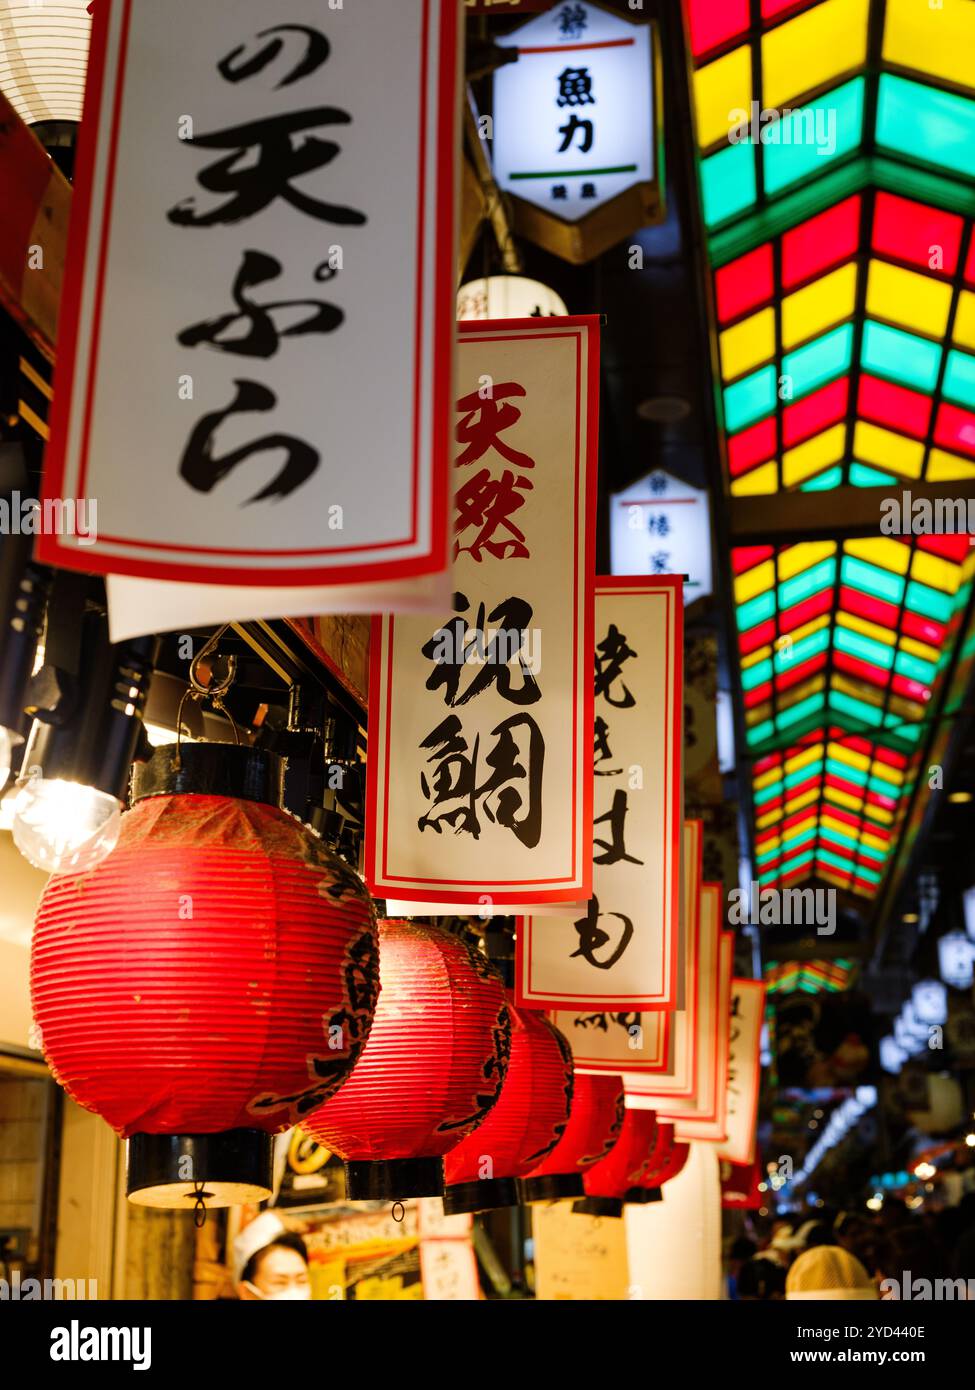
x=211, y=769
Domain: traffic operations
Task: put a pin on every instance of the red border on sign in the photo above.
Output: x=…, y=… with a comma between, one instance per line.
x=637, y=586
x=380, y=881
x=49, y=548
x=756, y=1072
x=724, y=969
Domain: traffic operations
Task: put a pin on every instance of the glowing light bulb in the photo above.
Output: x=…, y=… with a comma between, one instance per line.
x=65, y=827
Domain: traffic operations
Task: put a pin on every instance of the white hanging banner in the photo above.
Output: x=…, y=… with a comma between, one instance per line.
x=479, y=791
x=622, y=951
x=747, y=1011
x=635, y=1042
x=252, y=389
x=708, y=1117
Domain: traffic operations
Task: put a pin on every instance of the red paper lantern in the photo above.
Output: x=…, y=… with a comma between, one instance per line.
x=209, y=982
x=528, y=1121
x=433, y=1067
x=648, y=1188
x=607, y=1181
x=595, y=1121
x=674, y=1164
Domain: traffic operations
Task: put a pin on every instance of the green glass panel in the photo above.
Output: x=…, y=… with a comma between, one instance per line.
x=728, y=184
x=959, y=383
x=900, y=356
x=810, y=581
x=859, y=709
x=933, y=126
x=803, y=774
x=864, y=648
x=861, y=475
x=756, y=610
x=856, y=775
x=818, y=362
x=824, y=482
x=750, y=399
x=871, y=580
x=756, y=675
x=915, y=668
x=787, y=658
x=758, y=733
x=810, y=139
x=929, y=602
x=791, y=716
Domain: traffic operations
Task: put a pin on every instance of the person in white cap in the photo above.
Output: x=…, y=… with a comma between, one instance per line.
x=270, y=1262
x=829, y=1272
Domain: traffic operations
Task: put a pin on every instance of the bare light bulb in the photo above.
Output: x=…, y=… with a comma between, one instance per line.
x=65, y=827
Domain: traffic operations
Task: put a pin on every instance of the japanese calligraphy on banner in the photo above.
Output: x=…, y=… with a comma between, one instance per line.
x=479, y=772
x=623, y=951
x=634, y=1041
x=255, y=391
x=576, y=123
x=746, y=1013
x=691, y=1086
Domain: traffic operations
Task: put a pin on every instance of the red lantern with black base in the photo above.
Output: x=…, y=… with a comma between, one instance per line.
x=607, y=1182
x=648, y=1189
x=208, y=983
x=528, y=1121
x=431, y=1071
x=595, y=1121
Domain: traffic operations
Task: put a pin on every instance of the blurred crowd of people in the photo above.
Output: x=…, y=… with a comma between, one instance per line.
x=832, y=1254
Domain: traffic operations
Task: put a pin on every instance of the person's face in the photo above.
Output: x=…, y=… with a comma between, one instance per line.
x=281, y=1274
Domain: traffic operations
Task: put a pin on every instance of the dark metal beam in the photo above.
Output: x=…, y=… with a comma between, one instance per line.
x=839, y=514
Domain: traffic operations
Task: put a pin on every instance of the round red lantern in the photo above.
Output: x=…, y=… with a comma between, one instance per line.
x=673, y=1165
x=431, y=1071
x=209, y=982
x=648, y=1188
x=528, y=1121
x=595, y=1121
x=607, y=1181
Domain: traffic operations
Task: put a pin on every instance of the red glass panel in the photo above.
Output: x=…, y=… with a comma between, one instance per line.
x=821, y=242
x=953, y=547
x=713, y=22
x=807, y=417
x=894, y=406
x=746, y=557
x=890, y=757
x=911, y=690
x=766, y=764
x=863, y=670
x=801, y=671
x=799, y=613
x=744, y=283
x=801, y=787
x=955, y=429
x=771, y=8
x=759, y=695
x=914, y=232
x=924, y=629
x=754, y=445
x=970, y=263
x=757, y=637
x=886, y=802
x=855, y=745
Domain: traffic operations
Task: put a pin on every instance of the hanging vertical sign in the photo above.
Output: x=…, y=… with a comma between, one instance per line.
x=689, y=1083
x=576, y=129
x=746, y=1013
x=480, y=728
x=707, y=1118
x=253, y=388
x=633, y=1041
x=622, y=952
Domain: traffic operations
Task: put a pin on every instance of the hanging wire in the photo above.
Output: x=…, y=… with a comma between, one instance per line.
x=215, y=691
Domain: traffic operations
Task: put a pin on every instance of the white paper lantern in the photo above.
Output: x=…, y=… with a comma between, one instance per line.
x=929, y=999
x=44, y=57
x=892, y=1055
x=508, y=297
x=956, y=960
x=968, y=906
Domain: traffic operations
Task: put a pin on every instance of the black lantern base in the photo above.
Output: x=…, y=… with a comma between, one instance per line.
x=393, y=1180
x=639, y=1196
x=190, y=1172
x=552, y=1187
x=210, y=769
x=487, y=1194
x=599, y=1206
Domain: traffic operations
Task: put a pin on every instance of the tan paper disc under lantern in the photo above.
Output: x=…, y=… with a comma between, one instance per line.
x=210, y=982
x=432, y=1069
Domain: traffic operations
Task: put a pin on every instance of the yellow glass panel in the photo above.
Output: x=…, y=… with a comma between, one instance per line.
x=817, y=307
x=809, y=50
x=886, y=773
x=753, y=658
x=747, y=344
x=921, y=649
x=872, y=842
x=767, y=778
x=788, y=639
x=799, y=827
x=770, y=818
x=801, y=557
x=965, y=320
x=883, y=551
x=758, y=481
x=860, y=690
x=938, y=38
x=905, y=297
x=816, y=453
x=722, y=88
x=938, y=573
x=850, y=803
x=842, y=754
x=857, y=624
x=871, y=444
x=948, y=467
x=754, y=581
x=796, y=803
x=808, y=755
x=834, y=823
